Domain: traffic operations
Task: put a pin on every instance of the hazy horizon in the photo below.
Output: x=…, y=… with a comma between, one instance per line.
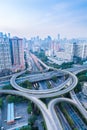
x=28, y=18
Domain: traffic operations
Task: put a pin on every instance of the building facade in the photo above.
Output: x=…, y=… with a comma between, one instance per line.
x=17, y=53
x=80, y=50
x=5, y=55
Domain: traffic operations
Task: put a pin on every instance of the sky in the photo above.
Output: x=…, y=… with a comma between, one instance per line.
x=29, y=18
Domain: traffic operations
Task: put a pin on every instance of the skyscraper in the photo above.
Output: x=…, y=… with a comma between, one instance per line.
x=5, y=55
x=80, y=50
x=17, y=52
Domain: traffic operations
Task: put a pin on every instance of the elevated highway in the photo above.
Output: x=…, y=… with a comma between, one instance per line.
x=76, y=100
x=41, y=76
x=49, y=92
x=51, y=109
x=49, y=114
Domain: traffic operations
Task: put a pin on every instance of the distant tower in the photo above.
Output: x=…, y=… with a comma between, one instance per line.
x=58, y=37
x=8, y=35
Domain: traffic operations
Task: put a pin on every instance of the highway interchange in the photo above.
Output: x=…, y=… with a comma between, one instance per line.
x=49, y=114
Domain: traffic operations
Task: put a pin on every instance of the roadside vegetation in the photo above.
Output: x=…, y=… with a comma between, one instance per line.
x=67, y=116
x=15, y=99
x=54, y=78
x=82, y=77
x=30, y=108
x=26, y=84
x=48, y=85
x=34, y=113
x=1, y=102
x=79, y=113
x=7, y=87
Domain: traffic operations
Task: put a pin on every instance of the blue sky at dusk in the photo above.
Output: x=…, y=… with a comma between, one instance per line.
x=27, y=18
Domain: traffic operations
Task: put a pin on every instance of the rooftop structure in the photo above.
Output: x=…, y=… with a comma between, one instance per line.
x=10, y=113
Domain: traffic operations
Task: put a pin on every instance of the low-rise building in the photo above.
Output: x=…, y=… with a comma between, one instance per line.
x=10, y=113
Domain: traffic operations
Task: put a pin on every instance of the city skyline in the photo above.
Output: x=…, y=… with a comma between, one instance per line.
x=28, y=18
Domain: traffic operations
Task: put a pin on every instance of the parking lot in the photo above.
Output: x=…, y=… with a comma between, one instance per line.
x=20, y=109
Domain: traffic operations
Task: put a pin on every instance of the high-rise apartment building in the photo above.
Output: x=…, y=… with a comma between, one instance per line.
x=5, y=56
x=80, y=50
x=17, y=53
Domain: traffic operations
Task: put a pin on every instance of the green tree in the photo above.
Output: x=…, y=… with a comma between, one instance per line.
x=32, y=120
x=26, y=84
x=15, y=99
x=26, y=128
x=54, y=78
x=66, y=65
x=8, y=87
x=29, y=109
x=1, y=102
x=10, y=98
